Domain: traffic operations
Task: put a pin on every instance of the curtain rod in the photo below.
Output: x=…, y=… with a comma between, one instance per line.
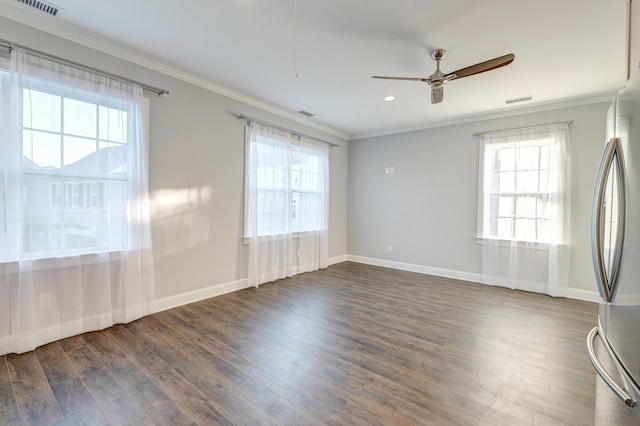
x=10, y=45
x=568, y=123
x=249, y=119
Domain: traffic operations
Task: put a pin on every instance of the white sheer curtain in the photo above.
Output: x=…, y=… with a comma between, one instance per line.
x=524, y=208
x=286, y=203
x=75, y=243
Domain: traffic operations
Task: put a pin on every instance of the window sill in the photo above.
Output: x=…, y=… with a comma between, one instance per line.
x=63, y=261
x=294, y=235
x=515, y=243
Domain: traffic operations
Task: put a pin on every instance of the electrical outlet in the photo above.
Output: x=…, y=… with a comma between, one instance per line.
x=389, y=248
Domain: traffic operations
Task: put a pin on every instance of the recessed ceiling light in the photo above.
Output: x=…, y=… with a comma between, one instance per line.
x=389, y=98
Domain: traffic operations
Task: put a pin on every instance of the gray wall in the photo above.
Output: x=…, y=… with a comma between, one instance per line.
x=196, y=171
x=426, y=210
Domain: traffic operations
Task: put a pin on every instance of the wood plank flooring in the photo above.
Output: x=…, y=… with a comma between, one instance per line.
x=352, y=345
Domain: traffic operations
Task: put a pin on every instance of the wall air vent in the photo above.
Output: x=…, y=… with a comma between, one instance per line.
x=519, y=99
x=42, y=6
x=305, y=113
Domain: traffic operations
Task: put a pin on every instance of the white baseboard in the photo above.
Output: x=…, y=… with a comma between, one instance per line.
x=338, y=259
x=410, y=267
x=572, y=293
x=586, y=295
x=198, y=295
x=220, y=289
x=213, y=291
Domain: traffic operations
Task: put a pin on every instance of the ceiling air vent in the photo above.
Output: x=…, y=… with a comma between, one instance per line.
x=516, y=100
x=42, y=6
x=305, y=113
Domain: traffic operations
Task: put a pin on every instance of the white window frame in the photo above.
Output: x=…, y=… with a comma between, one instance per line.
x=490, y=192
x=91, y=200
x=294, y=193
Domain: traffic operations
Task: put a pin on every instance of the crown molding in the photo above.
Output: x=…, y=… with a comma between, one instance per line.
x=22, y=14
x=510, y=112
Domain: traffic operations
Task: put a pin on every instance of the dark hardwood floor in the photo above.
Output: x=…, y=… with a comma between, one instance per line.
x=353, y=345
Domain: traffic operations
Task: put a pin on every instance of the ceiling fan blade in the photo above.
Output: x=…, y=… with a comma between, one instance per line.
x=485, y=66
x=401, y=78
x=437, y=94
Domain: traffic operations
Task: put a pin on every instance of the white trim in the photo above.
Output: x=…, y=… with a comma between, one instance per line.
x=522, y=285
x=19, y=13
x=535, y=245
x=337, y=259
x=421, y=269
x=586, y=295
x=571, y=293
x=197, y=295
x=215, y=290
x=502, y=113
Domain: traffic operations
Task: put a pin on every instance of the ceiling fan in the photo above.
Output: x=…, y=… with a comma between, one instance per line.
x=438, y=79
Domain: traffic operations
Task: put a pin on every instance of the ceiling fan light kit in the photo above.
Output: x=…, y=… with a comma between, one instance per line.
x=438, y=79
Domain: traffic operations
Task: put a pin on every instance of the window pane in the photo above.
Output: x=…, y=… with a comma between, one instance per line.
x=544, y=231
x=307, y=182
x=36, y=193
x=39, y=235
x=545, y=153
x=295, y=213
x=112, y=159
x=295, y=179
x=117, y=231
x=543, y=181
x=526, y=207
x=79, y=230
x=42, y=149
x=552, y=181
x=526, y=229
x=265, y=177
x=527, y=181
x=113, y=124
x=507, y=182
x=281, y=180
x=506, y=159
x=505, y=228
x=80, y=153
x=41, y=111
x=80, y=118
x=505, y=206
x=528, y=158
x=116, y=196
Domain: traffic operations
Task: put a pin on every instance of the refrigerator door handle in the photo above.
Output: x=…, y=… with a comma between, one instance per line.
x=620, y=391
x=607, y=283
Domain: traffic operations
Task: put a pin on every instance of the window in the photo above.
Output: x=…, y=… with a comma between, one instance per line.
x=286, y=203
x=521, y=187
x=74, y=173
x=286, y=184
x=73, y=142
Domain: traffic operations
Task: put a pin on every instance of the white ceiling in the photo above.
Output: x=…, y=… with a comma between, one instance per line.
x=567, y=51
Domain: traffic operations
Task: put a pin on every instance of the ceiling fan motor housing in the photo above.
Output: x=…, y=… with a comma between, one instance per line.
x=438, y=79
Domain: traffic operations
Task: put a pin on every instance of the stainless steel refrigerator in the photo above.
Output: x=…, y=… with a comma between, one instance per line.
x=613, y=345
